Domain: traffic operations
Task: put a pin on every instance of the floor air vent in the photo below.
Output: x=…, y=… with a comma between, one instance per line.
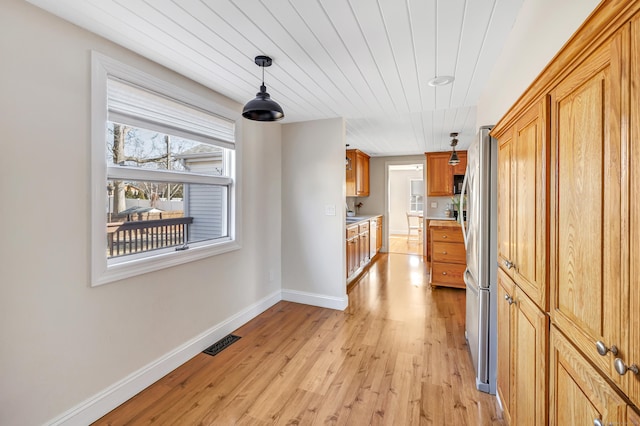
x=221, y=344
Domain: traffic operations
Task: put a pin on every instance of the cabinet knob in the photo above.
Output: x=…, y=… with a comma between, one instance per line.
x=508, y=264
x=509, y=299
x=444, y=236
x=444, y=273
x=597, y=422
x=622, y=368
x=603, y=349
x=444, y=252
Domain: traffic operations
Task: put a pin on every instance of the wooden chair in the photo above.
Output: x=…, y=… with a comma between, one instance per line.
x=411, y=227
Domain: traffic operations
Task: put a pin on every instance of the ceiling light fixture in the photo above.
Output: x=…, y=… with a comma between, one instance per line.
x=263, y=108
x=347, y=161
x=454, y=159
x=442, y=80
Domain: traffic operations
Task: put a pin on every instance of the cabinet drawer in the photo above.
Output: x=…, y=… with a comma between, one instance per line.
x=453, y=235
x=352, y=231
x=364, y=227
x=447, y=273
x=448, y=252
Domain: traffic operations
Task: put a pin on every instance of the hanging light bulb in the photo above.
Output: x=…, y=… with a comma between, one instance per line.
x=454, y=159
x=263, y=108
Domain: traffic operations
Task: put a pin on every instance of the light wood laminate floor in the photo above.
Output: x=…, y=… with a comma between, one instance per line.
x=400, y=244
x=396, y=356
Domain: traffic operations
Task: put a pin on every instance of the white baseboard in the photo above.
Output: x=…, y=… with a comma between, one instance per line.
x=116, y=394
x=321, y=300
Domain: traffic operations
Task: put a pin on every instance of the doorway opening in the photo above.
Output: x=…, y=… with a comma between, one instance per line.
x=405, y=208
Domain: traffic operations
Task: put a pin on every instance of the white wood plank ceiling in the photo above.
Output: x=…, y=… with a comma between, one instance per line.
x=368, y=61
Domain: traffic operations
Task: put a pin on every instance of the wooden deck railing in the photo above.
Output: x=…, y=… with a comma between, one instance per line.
x=144, y=235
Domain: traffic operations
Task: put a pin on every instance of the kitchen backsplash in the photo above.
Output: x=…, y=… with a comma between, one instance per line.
x=440, y=210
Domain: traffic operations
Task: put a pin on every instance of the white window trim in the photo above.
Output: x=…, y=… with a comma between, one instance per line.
x=101, y=271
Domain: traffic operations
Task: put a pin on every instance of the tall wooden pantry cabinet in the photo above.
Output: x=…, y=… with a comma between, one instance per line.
x=569, y=232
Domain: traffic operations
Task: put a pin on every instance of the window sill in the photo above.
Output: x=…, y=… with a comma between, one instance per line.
x=121, y=269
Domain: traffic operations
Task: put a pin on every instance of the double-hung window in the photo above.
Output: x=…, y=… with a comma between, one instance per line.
x=163, y=174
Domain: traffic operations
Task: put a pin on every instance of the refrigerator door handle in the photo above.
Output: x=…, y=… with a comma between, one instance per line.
x=460, y=213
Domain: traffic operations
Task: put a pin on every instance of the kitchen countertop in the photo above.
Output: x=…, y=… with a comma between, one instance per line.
x=353, y=220
x=444, y=224
x=439, y=218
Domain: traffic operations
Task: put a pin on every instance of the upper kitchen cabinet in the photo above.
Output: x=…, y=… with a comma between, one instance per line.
x=441, y=176
x=589, y=201
x=522, y=211
x=358, y=174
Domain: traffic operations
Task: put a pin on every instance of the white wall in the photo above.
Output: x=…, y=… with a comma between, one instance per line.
x=61, y=341
x=313, y=179
x=399, y=181
x=441, y=206
x=541, y=29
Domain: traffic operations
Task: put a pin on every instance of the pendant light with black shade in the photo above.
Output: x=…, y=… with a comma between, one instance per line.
x=454, y=159
x=263, y=108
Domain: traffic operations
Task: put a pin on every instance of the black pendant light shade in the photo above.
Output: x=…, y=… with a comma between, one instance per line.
x=454, y=159
x=263, y=108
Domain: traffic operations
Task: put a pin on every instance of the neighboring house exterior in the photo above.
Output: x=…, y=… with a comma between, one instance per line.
x=206, y=204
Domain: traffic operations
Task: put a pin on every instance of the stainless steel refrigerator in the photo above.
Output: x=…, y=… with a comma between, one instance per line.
x=480, y=237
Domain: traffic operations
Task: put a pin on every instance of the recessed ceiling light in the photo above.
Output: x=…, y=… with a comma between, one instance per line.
x=443, y=80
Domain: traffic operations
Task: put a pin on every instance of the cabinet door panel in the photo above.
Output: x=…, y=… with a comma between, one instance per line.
x=633, y=324
x=460, y=168
x=504, y=199
x=505, y=290
x=362, y=175
x=350, y=176
x=529, y=211
x=579, y=394
x=439, y=176
x=530, y=362
x=586, y=256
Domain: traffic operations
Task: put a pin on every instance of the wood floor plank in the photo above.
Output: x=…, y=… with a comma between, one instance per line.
x=396, y=356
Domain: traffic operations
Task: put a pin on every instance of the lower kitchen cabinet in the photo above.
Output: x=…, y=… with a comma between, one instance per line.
x=363, y=242
x=579, y=395
x=523, y=331
x=379, y=236
x=506, y=290
x=353, y=252
x=448, y=256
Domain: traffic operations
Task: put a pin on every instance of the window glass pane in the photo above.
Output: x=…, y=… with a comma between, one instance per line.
x=417, y=187
x=135, y=147
x=146, y=216
x=416, y=203
x=208, y=205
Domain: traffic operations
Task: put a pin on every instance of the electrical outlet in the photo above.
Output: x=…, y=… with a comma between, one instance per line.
x=330, y=210
x=434, y=204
